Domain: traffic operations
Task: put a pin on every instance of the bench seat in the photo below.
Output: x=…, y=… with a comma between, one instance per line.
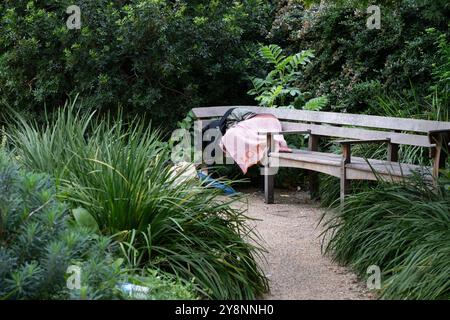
x=358, y=169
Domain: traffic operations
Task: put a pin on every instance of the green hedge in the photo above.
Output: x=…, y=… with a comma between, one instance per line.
x=38, y=242
x=354, y=64
x=152, y=56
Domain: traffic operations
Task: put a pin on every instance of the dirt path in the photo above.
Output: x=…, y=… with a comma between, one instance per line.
x=295, y=266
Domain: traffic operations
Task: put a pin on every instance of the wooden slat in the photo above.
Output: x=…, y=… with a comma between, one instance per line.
x=306, y=156
x=359, y=141
x=211, y=112
x=392, y=168
x=354, y=133
x=284, y=132
x=360, y=134
x=296, y=154
x=316, y=167
x=359, y=120
x=357, y=169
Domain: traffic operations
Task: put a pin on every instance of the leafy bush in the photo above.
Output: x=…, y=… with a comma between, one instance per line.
x=354, y=64
x=408, y=104
x=38, y=242
x=160, y=58
x=117, y=171
x=279, y=86
x=404, y=229
x=441, y=72
x=160, y=287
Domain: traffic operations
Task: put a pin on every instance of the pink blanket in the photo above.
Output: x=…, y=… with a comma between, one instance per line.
x=243, y=143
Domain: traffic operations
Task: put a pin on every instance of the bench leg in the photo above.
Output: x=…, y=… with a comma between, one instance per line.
x=345, y=190
x=314, y=185
x=345, y=183
x=440, y=159
x=268, y=187
x=313, y=145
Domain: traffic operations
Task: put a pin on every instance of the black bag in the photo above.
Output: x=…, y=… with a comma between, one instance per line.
x=220, y=125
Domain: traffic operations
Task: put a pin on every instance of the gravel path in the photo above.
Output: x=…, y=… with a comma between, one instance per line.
x=295, y=266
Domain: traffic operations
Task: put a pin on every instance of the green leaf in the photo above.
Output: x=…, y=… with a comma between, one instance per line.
x=84, y=219
x=272, y=53
x=301, y=58
x=117, y=263
x=316, y=104
x=281, y=66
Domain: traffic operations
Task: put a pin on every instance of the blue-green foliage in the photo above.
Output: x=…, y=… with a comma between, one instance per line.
x=38, y=242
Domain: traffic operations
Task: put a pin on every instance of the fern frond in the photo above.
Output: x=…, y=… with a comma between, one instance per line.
x=316, y=104
x=301, y=58
x=281, y=66
x=272, y=54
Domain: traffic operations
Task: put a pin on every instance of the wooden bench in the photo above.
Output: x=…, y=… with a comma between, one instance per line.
x=353, y=129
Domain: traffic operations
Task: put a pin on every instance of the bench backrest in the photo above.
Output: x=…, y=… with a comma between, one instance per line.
x=342, y=125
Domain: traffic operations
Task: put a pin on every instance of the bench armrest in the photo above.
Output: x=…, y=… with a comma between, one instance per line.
x=439, y=131
x=438, y=136
x=440, y=151
x=350, y=142
x=285, y=132
x=346, y=147
x=269, y=136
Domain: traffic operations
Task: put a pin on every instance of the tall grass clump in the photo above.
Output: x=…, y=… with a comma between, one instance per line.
x=118, y=172
x=404, y=228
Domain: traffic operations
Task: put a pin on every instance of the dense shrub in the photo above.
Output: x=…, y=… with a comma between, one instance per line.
x=277, y=87
x=117, y=171
x=441, y=73
x=157, y=57
x=433, y=104
x=404, y=228
x=38, y=242
x=353, y=64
